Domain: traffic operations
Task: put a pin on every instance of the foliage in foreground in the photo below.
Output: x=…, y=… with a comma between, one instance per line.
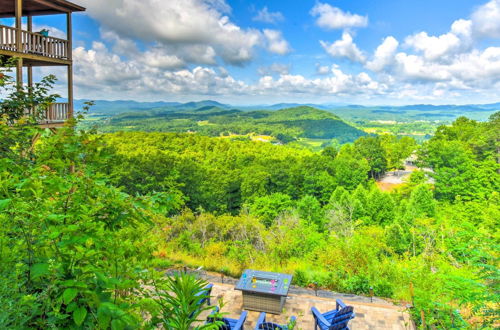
x=74, y=251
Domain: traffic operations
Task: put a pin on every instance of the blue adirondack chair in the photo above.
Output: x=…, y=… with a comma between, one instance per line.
x=229, y=324
x=206, y=292
x=333, y=320
x=263, y=325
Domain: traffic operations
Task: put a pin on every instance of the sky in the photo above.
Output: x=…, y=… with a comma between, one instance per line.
x=263, y=52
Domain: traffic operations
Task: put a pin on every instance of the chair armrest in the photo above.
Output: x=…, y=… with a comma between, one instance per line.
x=340, y=304
x=210, y=317
x=293, y=320
x=319, y=318
x=260, y=320
x=241, y=321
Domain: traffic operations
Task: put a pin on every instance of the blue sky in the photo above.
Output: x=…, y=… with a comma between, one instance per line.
x=253, y=52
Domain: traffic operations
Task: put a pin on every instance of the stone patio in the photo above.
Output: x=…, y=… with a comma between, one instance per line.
x=377, y=315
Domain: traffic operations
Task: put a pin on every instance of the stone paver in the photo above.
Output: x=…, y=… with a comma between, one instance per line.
x=368, y=315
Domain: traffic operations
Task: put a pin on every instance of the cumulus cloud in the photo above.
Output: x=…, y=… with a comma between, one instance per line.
x=322, y=69
x=384, y=54
x=265, y=16
x=275, y=42
x=338, y=83
x=457, y=40
x=486, y=19
x=275, y=68
x=99, y=73
x=201, y=25
x=344, y=47
x=180, y=51
x=331, y=18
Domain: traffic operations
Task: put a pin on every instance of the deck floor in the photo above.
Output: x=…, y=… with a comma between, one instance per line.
x=368, y=315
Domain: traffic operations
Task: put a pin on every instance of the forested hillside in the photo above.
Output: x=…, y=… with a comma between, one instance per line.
x=87, y=219
x=284, y=125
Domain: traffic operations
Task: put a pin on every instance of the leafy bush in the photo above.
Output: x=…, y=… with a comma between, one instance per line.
x=357, y=284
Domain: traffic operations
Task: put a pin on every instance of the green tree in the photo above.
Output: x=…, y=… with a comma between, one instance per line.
x=269, y=207
x=371, y=149
x=310, y=210
x=381, y=208
x=350, y=168
x=422, y=203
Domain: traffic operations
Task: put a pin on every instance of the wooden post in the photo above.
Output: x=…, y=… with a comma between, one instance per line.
x=69, y=32
x=19, y=72
x=19, y=15
x=30, y=67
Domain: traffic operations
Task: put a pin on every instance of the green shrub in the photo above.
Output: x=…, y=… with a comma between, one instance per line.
x=357, y=284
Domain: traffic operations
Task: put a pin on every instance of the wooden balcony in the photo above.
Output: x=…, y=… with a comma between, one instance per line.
x=55, y=116
x=38, y=46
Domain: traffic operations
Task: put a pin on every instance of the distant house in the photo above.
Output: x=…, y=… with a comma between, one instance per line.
x=411, y=160
x=37, y=49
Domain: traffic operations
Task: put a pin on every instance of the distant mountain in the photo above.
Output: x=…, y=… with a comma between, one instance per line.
x=114, y=107
x=350, y=112
x=285, y=124
x=201, y=104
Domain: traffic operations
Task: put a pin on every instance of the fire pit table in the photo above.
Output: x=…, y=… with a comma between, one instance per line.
x=264, y=291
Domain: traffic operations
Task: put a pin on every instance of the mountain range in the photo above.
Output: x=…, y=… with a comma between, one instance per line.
x=350, y=112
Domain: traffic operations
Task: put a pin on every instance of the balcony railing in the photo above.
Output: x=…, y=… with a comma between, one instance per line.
x=57, y=112
x=33, y=43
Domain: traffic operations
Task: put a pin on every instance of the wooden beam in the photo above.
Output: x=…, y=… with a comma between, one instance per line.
x=69, y=37
x=19, y=17
x=38, y=58
x=51, y=4
x=70, y=91
x=30, y=67
x=19, y=72
x=30, y=23
x=30, y=76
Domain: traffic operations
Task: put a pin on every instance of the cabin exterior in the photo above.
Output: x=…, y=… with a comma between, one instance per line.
x=35, y=49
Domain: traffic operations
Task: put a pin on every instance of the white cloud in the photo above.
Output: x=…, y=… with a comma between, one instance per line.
x=158, y=58
x=416, y=68
x=338, y=83
x=200, y=25
x=486, y=19
x=101, y=74
x=453, y=42
x=322, y=69
x=384, y=54
x=53, y=32
x=275, y=68
x=275, y=42
x=265, y=16
x=331, y=18
x=180, y=50
x=344, y=47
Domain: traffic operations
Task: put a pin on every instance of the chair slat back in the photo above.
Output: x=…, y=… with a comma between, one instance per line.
x=270, y=326
x=341, y=319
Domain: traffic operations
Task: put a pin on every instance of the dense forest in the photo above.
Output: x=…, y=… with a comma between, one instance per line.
x=87, y=219
x=284, y=125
